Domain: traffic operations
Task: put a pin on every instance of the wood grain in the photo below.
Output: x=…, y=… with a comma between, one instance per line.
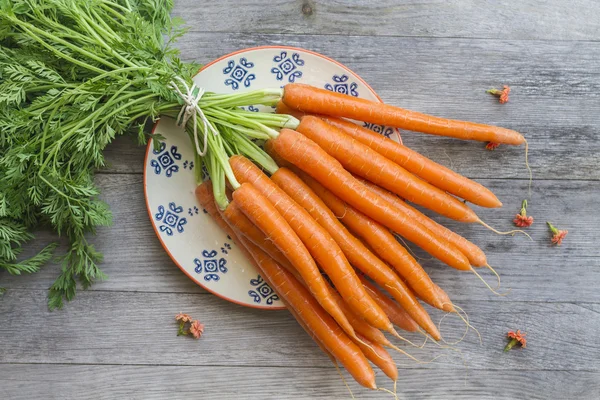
x=82, y=382
x=117, y=340
x=529, y=19
x=121, y=327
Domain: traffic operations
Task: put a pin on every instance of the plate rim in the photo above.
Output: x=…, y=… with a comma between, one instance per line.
x=162, y=243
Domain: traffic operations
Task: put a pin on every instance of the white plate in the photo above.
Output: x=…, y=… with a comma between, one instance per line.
x=192, y=240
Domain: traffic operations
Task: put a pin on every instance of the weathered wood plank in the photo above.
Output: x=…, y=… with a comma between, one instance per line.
x=553, y=102
x=121, y=327
x=459, y=18
x=64, y=382
x=135, y=260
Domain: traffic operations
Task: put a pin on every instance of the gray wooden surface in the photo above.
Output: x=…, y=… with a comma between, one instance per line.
x=117, y=339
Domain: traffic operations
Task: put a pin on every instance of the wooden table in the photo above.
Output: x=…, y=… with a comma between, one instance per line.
x=117, y=339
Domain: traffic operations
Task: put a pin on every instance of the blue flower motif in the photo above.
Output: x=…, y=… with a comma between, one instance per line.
x=170, y=219
x=210, y=266
x=342, y=85
x=238, y=73
x=226, y=247
x=165, y=160
x=193, y=211
x=287, y=66
x=262, y=291
x=381, y=129
x=188, y=165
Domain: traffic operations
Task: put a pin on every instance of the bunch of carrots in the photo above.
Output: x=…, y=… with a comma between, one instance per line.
x=317, y=209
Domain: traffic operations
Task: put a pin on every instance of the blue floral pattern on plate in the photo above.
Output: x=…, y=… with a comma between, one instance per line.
x=210, y=266
x=381, y=129
x=170, y=219
x=342, y=85
x=262, y=291
x=239, y=73
x=287, y=66
x=165, y=160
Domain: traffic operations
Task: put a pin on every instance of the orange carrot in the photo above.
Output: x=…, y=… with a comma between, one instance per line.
x=438, y=175
x=282, y=108
x=266, y=217
x=206, y=199
x=363, y=161
x=309, y=157
x=396, y=314
x=315, y=318
x=378, y=356
x=204, y=195
x=430, y=171
x=358, y=255
x=241, y=223
x=310, y=99
x=382, y=242
x=318, y=242
x=475, y=255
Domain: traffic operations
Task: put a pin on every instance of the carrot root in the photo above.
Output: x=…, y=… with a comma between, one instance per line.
x=507, y=232
x=488, y=285
x=465, y=319
x=528, y=168
x=337, y=367
x=388, y=391
x=488, y=266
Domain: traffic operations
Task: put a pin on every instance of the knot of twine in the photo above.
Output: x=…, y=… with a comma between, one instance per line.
x=191, y=97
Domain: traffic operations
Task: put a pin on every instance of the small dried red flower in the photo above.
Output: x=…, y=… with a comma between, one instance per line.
x=501, y=94
x=558, y=235
x=492, y=146
x=516, y=338
x=196, y=329
x=181, y=317
x=521, y=219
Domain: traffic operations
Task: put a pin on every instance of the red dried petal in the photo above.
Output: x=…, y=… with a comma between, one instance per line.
x=504, y=95
x=196, y=329
x=523, y=221
x=181, y=317
x=558, y=237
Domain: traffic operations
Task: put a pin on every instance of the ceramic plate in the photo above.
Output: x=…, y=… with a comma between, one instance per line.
x=192, y=240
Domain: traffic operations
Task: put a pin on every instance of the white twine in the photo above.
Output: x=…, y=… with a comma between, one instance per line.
x=191, y=109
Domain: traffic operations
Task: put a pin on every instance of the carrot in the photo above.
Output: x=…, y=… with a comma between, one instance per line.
x=379, y=356
x=310, y=99
x=315, y=317
x=356, y=252
x=397, y=314
x=206, y=199
x=361, y=160
x=309, y=157
x=475, y=255
x=204, y=195
x=438, y=175
x=318, y=242
x=241, y=223
x=360, y=326
x=282, y=108
x=430, y=171
x=264, y=215
x=382, y=242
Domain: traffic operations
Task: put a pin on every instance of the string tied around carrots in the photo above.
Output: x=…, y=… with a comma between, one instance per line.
x=191, y=97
